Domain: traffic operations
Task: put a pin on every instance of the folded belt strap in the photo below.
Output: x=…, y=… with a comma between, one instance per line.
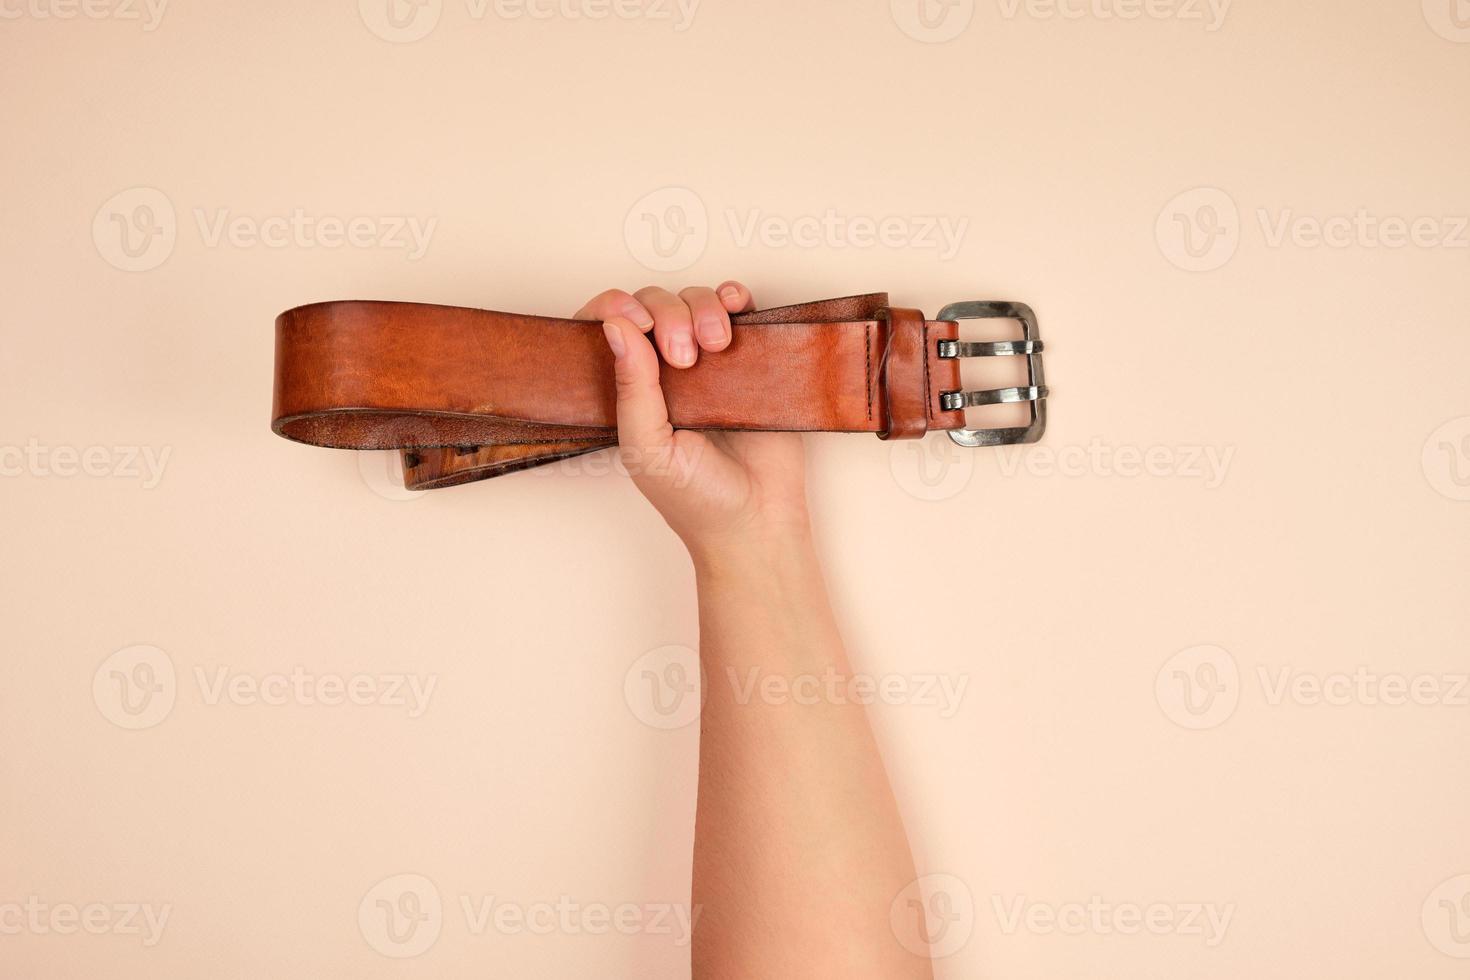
x=469, y=394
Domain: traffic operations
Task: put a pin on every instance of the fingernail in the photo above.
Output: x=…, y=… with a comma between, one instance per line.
x=614, y=338
x=730, y=294
x=681, y=350
x=711, y=332
x=638, y=315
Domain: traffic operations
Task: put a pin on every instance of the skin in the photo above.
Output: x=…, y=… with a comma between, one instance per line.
x=799, y=850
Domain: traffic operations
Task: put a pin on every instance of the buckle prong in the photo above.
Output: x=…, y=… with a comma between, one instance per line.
x=1034, y=392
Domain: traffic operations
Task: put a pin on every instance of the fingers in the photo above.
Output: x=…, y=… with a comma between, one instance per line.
x=643, y=418
x=696, y=319
x=612, y=303
x=711, y=319
x=673, y=326
x=735, y=297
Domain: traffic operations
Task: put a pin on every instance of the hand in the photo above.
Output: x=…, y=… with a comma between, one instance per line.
x=717, y=490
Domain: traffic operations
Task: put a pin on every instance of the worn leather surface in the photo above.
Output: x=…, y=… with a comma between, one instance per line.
x=468, y=394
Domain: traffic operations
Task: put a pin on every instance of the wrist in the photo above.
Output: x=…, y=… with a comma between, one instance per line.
x=762, y=552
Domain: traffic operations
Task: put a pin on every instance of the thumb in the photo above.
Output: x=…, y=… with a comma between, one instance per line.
x=644, y=431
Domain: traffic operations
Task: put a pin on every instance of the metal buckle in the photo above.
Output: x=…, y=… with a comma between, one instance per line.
x=1030, y=347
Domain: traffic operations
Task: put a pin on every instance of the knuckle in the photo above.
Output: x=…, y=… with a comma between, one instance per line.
x=632, y=384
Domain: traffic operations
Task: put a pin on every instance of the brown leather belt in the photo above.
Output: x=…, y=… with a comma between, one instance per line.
x=469, y=394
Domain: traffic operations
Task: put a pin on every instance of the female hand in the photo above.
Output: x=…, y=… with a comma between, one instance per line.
x=717, y=489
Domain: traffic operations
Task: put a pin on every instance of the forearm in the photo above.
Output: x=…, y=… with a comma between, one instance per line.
x=799, y=851
x=799, y=848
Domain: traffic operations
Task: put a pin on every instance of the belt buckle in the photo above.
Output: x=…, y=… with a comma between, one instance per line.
x=1035, y=390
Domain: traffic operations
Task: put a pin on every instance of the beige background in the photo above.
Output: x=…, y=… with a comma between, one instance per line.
x=1255, y=482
